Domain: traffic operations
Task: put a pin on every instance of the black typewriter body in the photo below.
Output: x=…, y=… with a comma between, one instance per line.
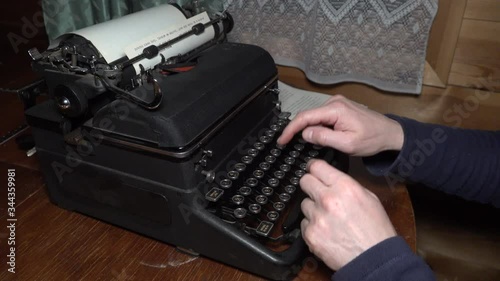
x=201, y=172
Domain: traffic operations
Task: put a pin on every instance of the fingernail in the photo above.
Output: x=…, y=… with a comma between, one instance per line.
x=307, y=135
x=279, y=140
x=309, y=163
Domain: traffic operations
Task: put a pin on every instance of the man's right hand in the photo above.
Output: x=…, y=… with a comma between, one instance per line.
x=346, y=126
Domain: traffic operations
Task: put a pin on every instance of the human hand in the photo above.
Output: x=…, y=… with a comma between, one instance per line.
x=346, y=126
x=342, y=218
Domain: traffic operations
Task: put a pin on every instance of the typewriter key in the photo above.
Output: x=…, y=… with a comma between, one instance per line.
x=279, y=206
x=294, y=154
x=264, y=228
x=238, y=199
x=285, y=197
x=258, y=174
x=302, y=141
x=252, y=182
x=247, y=159
x=267, y=191
x=300, y=173
x=273, y=182
x=240, y=213
x=284, y=115
x=253, y=152
x=280, y=146
x=307, y=159
x=260, y=146
x=254, y=208
x=270, y=133
x=290, y=189
x=290, y=160
x=275, y=128
x=285, y=168
x=233, y=175
x=245, y=190
x=282, y=123
x=261, y=199
x=317, y=147
x=295, y=181
x=303, y=166
x=214, y=194
x=279, y=175
x=265, y=139
x=299, y=147
x=313, y=153
x=270, y=159
x=273, y=215
x=240, y=167
x=265, y=166
x=226, y=183
x=275, y=152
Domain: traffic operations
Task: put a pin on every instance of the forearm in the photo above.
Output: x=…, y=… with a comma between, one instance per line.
x=391, y=259
x=457, y=161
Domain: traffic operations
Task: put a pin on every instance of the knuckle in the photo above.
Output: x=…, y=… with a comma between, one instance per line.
x=329, y=202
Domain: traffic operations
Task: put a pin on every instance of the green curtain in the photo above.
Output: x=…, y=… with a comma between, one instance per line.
x=62, y=16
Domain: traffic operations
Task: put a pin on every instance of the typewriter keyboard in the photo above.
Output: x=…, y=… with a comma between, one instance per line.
x=260, y=193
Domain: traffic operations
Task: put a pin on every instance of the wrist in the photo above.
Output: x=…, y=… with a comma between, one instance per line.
x=395, y=136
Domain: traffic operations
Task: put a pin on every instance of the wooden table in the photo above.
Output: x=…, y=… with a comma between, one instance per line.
x=55, y=244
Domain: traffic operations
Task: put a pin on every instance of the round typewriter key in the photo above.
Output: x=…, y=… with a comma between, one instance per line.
x=258, y=174
x=273, y=182
x=307, y=159
x=240, y=167
x=275, y=152
x=290, y=160
x=275, y=127
x=254, y=208
x=299, y=147
x=240, y=213
x=226, y=183
x=317, y=147
x=252, y=182
x=238, y=199
x=270, y=133
x=313, y=153
x=245, y=190
x=294, y=153
x=279, y=174
x=261, y=199
x=270, y=159
x=295, y=181
x=247, y=159
x=285, y=168
x=280, y=146
x=265, y=139
x=253, y=152
x=302, y=141
x=284, y=115
x=259, y=146
x=273, y=215
x=300, y=173
x=282, y=123
x=233, y=175
x=279, y=206
x=290, y=189
x=265, y=166
x=267, y=191
x=285, y=197
x=303, y=166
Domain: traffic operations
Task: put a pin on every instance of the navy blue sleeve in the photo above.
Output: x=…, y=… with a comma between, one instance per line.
x=390, y=260
x=456, y=161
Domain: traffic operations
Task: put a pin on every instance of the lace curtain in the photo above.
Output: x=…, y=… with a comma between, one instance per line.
x=378, y=42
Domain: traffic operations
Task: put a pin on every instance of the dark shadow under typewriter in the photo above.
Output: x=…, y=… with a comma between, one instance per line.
x=189, y=159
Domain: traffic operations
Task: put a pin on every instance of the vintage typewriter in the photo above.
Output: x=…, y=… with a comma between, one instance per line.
x=184, y=151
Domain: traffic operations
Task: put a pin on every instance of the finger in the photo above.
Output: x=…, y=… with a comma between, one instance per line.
x=312, y=187
x=324, y=172
x=337, y=98
x=326, y=137
x=307, y=207
x=317, y=116
x=303, y=225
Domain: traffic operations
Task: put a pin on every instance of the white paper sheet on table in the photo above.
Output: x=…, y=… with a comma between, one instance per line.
x=296, y=100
